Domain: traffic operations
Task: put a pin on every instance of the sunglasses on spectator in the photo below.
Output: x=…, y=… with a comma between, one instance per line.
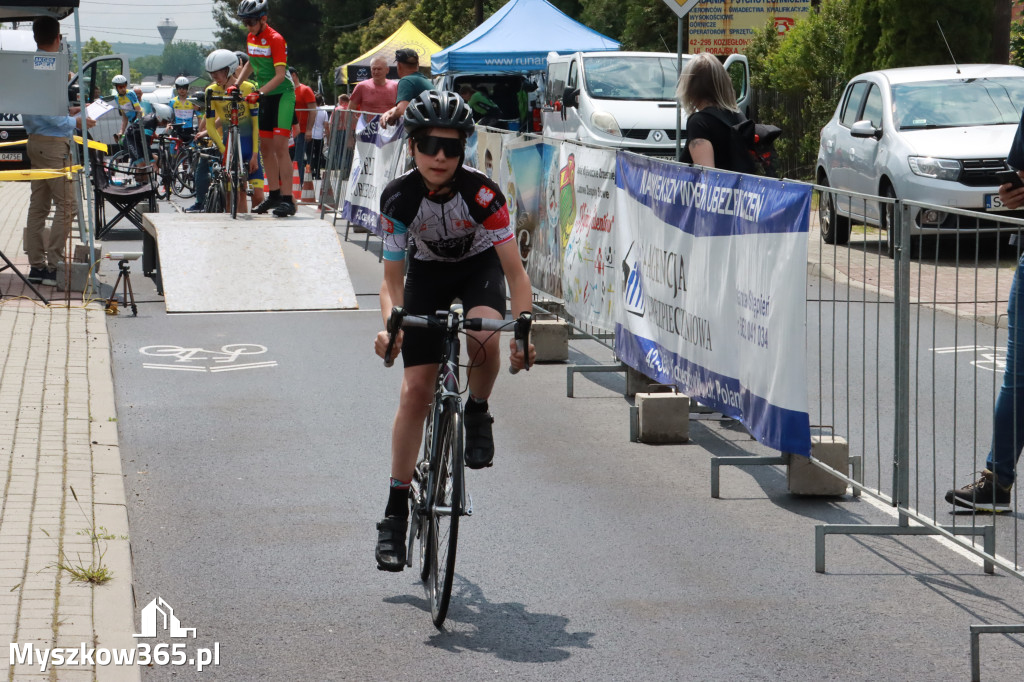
x=430, y=145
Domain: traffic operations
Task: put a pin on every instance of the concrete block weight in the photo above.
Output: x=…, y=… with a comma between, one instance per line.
x=551, y=339
x=637, y=382
x=79, y=277
x=804, y=478
x=663, y=417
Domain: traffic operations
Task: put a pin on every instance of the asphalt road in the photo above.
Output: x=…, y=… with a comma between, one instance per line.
x=253, y=496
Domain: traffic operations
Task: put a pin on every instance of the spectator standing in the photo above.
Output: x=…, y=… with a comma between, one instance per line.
x=709, y=100
x=377, y=95
x=49, y=147
x=305, y=111
x=316, y=144
x=410, y=84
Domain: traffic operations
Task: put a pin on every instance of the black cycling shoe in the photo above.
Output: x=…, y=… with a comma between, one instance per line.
x=479, y=439
x=266, y=205
x=391, y=543
x=285, y=209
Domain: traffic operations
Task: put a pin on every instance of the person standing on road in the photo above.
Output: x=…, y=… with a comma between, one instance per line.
x=49, y=147
x=317, y=130
x=709, y=100
x=305, y=110
x=992, y=491
x=268, y=61
x=410, y=84
x=471, y=261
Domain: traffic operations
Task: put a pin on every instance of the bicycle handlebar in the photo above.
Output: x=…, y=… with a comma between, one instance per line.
x=399, y=319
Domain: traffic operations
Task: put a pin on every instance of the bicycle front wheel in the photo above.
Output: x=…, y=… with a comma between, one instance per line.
x=445, y=508
x=183, y=183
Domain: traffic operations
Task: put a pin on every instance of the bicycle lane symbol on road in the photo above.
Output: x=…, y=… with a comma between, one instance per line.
x=230, y=358
x=990, y=358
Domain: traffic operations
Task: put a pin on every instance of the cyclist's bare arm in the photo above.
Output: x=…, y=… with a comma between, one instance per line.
x=521, y=294
x=392, y=293
x=243, y=74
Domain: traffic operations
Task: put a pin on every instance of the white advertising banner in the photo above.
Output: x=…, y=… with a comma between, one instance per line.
x=715, y=273
x=379, y=158
x=590, y=273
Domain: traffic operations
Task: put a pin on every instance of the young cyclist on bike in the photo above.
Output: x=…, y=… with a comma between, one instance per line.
x=221, y=65
x=131, y=111
x=184, y=111
x=268, y=60
x=462, y=247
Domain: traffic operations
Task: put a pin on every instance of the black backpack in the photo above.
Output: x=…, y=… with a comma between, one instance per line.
x=752, y=148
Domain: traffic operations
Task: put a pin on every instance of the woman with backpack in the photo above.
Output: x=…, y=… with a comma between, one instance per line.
x=707, y=96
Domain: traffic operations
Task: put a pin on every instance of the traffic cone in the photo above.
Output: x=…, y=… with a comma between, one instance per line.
x=308, y=191
x=296, y=183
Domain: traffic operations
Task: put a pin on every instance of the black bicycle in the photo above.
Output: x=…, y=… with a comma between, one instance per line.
x=438, y=492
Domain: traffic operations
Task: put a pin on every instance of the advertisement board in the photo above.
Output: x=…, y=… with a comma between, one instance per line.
x=727, y=26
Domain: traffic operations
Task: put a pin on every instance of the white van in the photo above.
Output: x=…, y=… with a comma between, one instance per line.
x=624, y=100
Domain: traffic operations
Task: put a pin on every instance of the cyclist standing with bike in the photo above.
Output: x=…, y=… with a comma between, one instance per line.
x=221, y=64
x=462, y=247
x=268, y=61
x=184, y=111
x=131, y=111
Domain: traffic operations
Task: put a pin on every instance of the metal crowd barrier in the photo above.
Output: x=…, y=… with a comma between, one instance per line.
x=907, y=342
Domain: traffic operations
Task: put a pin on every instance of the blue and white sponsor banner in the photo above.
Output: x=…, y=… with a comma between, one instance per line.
x=379, y=158
x=590, y=271
x=714, y=271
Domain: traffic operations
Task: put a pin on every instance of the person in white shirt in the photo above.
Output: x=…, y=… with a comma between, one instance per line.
x=316, y=145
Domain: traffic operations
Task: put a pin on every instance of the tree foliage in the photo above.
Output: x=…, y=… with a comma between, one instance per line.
x=798, y=78
x=91, y=49
x=892, y=33
x=183, y=57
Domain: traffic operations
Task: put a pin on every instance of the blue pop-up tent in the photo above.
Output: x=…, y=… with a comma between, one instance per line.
x=517, y=39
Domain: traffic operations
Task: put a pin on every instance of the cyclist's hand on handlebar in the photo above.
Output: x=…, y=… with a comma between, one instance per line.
x=253, y=97
x=230, y=90
x=516, y=356
x=380, y=344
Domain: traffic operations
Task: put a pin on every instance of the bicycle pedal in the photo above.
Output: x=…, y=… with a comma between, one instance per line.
x=469, y=506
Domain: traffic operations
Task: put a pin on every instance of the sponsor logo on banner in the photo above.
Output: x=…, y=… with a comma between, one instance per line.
x=44, y=63
x=567, y=198
x=633, y=284
x=484, y=197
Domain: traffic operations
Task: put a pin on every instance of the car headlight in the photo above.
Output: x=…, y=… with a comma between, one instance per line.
x=930, y=167
x=605, y=122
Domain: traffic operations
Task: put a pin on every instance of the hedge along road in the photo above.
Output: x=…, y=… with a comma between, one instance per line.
x=253, y=495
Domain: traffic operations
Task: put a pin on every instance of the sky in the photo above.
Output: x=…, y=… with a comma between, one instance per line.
x=135, y=21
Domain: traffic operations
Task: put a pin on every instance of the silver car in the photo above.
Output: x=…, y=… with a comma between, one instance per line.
x=933, y=134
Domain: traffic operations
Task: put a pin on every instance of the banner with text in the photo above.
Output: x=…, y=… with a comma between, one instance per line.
x=715, y=271
x=727, y=26
x=379, y=158
x=527, y=162
x=587, y=216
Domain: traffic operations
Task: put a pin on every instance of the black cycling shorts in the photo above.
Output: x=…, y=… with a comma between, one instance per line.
x=431, y=286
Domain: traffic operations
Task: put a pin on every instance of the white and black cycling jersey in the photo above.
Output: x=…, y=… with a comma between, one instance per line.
x=469, y=219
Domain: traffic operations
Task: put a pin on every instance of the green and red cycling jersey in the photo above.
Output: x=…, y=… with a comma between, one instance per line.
x=266, y=51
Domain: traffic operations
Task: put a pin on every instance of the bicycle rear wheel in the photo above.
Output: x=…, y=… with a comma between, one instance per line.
x=183, y=183
x=214, y=198
x=445, y=509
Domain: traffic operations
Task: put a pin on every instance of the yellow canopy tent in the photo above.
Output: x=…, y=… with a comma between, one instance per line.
x=407, y=36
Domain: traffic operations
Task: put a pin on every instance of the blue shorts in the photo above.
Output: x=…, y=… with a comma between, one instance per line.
x=255, y=177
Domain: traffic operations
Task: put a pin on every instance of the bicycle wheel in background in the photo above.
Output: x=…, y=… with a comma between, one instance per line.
x=120, y=165
x=183, y=183
x=165, y=174
x=445, y=510
x=215, y=198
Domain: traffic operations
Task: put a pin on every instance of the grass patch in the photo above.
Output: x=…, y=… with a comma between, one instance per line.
x=94, y=572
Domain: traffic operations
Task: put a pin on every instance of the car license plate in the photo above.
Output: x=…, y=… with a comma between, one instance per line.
x=10, y=156
x=992, y=203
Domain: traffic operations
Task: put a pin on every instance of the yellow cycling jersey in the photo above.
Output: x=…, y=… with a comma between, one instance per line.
x=248, y=122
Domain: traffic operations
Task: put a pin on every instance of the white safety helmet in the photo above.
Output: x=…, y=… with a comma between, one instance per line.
x=119, y=79
x=163, y=111
x=222, y=59
x=181, y=82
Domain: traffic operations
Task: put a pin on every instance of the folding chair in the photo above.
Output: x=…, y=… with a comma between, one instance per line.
x=141, y=186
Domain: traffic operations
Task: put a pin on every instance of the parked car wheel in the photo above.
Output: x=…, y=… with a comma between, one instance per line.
x=835, y=229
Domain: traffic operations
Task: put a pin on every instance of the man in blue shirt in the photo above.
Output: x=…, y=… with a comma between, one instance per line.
x=49, y=147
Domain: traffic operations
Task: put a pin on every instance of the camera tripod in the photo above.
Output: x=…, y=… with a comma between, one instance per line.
x=124, y=279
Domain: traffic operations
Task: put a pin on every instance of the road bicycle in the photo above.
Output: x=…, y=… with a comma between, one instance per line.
x=216, y=198
x=437, y=494
x=167, y=147
x=186, y=158
x=232, y=175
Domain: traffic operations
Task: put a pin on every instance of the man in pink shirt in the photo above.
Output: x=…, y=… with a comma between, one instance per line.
x=376, y=95
x=305, y=103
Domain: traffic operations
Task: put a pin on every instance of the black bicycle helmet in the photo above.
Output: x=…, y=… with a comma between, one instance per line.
x=243, y=58
x=252, y=9
x=433, y=109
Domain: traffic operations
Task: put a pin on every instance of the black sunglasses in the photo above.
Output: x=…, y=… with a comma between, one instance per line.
x=430, y=145
x=249, y=21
